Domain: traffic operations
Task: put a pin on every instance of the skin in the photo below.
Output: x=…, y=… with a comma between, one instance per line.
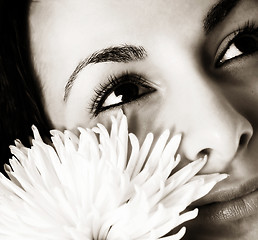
x=214, y=107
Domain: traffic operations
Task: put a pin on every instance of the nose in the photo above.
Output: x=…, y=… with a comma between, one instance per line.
x=211, y=126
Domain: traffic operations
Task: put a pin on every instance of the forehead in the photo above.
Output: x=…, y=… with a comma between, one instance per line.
x=177, y=11
x=103, y=19
x=114, y=4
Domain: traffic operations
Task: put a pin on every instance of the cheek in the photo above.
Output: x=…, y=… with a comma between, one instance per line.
x=77, y=112
x=245, y=95
x=146, y=117
x=143, y=116
x=239, y=84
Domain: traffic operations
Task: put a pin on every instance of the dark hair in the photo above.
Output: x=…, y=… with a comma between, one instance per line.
x=20, y=98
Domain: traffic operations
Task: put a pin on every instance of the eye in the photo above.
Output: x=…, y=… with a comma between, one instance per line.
x=241, y=43
x=119, y=91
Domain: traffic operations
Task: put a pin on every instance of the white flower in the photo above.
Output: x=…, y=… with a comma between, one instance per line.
x=89, y=187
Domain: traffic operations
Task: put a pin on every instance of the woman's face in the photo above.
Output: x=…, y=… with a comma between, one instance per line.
x=188, y=66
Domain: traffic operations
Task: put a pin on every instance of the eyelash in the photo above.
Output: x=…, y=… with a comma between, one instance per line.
x=249, y=28
x=103, y=91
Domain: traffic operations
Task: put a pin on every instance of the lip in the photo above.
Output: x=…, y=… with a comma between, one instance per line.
x=229, y=204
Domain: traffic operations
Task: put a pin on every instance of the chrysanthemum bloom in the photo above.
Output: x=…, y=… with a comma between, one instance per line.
x=90, y=187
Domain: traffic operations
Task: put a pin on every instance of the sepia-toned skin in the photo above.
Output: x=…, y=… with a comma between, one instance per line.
x=180, y=84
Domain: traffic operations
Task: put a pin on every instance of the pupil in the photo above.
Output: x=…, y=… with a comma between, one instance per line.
x=128, y=91
x=246, y=44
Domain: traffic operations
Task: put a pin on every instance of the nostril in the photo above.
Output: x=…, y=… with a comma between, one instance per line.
x=244, y=139
x=204, y=152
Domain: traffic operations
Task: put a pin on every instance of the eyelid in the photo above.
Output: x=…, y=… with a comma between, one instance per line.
x=248, y=28
x=223, y=47
x=103, y=91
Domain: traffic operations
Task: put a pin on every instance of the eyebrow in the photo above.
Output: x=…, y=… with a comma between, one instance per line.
x=218, y=13
x=119, y=54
